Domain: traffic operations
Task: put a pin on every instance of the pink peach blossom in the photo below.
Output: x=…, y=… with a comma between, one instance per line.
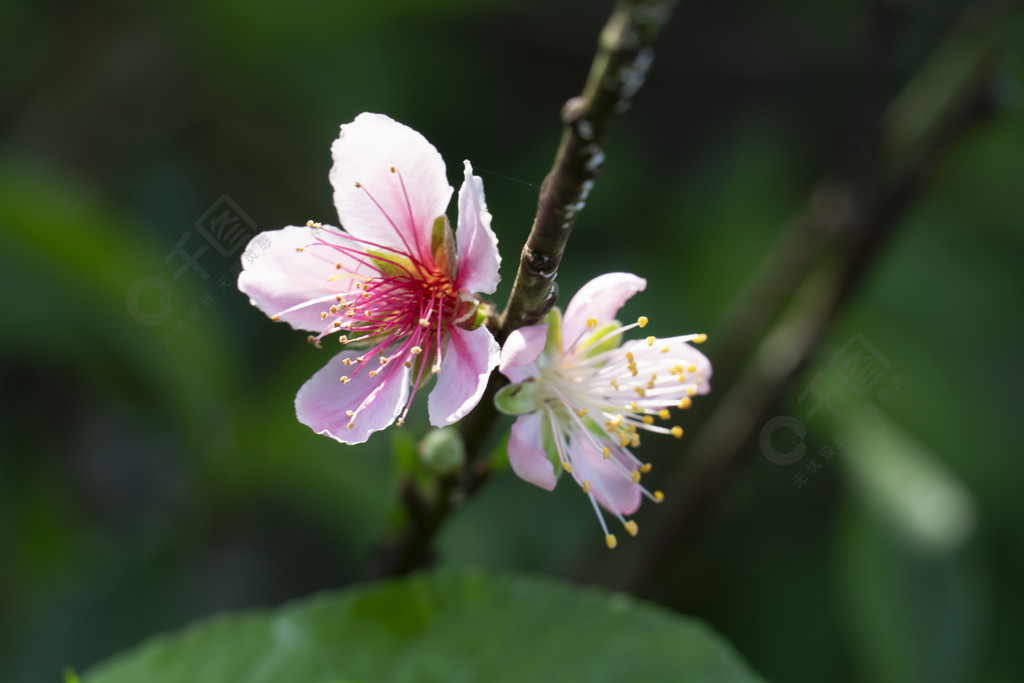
x=583, y=396
x=393, y=285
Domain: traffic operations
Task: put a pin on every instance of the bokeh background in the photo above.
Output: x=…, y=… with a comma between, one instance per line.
x=155, y=474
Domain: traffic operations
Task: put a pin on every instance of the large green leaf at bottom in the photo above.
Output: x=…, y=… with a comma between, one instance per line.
x=448, y=626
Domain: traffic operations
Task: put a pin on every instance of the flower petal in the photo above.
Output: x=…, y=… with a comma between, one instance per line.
x=654, y=359
x=323, y=400
x=477, y=244
x=522, y=348
x=465, y=367
x=614, y=491
x=526, y=452
x=389, y=184
x=282, y=279
x=600, y=298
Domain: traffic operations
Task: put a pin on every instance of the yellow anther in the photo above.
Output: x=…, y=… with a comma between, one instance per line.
x=648, y=420
x=400, y=421
x=383, y=360
x=323, y=315
x=646, y=467
x=651, y=340
x=629, y=356
x=350, y=414
x=664, y=414
x=642, y=321
x=615, y=421
x=566, y=466
x=392, y=169
x=692, y=368
x=275, y=318
x=407, y=364
x=357, y=184
x=658, y=496
x=351, y=425
x=631, y=528
x=692, y=391
x=641, y=391
x=665, y=350
x=650, y=383
x=343, y=339
x=605, y=452
x=373, y=373
x=346, y=361
x=635, y=441
x=634, y=476
x=337, y=266
x=685, y=402
x=344, y=379
x=610, y=541
x=615, y=384
x=624, y=442
x=415, y=350
x=300, y=249
x=700, y=339
x=350, y=313
x=677, y=432
x=424, y=322
x=586, y=487
x=581, y=412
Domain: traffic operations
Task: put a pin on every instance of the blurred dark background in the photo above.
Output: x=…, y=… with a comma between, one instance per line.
x=152, y=474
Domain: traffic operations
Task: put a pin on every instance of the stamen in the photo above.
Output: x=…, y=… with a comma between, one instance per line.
x=610, y=541
x=631, y=528
x=677, y=432
x=642, y=321
x=700, y=338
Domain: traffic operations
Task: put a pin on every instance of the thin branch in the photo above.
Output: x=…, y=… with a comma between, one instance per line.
x=623, y=57
x=789, y=344
x=620, y=66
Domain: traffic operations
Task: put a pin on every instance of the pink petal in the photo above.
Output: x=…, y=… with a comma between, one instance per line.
x=526, y=452
x=395, y=209
x=323, y=400
x=680, y=353
x=600, y=298
x=477, y=243
x=281, y=278
x=522, y=348
x=614, y=490
x=465, y=367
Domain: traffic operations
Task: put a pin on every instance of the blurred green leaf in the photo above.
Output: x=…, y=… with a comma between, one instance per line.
x=450, y=626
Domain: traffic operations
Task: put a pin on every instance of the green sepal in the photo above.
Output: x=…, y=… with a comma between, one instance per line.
x=516, y=399
x=442, y=245
x=391, y=264
x=553, y=343
x=550, y=449
x=606, y=344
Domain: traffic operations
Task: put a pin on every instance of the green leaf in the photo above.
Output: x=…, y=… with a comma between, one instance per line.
x=447, y=626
